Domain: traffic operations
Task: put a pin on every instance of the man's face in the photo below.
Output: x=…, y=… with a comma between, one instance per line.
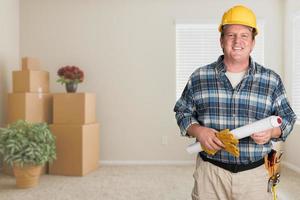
x=237, y=43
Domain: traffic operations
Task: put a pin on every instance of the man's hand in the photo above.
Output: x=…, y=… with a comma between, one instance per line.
x=206, y=137
x=265, y=136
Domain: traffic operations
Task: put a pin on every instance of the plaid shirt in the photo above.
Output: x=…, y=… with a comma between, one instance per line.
x=209, y=100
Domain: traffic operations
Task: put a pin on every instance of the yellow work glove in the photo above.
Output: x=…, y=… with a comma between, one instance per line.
x=229, y=142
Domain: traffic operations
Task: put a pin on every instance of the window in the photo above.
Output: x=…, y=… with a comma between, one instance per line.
x=296, y=67
x=197, y=44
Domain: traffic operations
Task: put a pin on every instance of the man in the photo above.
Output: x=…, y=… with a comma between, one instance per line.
x=227, y=94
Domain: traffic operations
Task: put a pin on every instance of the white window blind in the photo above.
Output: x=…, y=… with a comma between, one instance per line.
x=197, y=44
x=296, y=67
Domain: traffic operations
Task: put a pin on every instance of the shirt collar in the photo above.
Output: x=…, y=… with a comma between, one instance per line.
x=220, y=66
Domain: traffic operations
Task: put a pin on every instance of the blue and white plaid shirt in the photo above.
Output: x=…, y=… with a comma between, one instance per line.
x=209, y=100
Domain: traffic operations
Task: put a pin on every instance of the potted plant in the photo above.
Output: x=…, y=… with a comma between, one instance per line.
x=70, y=76
x=26, y=147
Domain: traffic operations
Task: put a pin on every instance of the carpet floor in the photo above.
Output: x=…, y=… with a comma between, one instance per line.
x=126, y=183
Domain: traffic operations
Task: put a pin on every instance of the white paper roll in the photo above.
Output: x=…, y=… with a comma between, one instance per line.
x=245, y=131
x=194, y=148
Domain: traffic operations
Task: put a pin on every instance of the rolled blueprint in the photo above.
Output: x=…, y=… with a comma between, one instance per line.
x=245, y=131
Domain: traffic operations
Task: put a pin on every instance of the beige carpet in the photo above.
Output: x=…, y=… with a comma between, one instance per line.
x=289, y=186
x=108, y=183
x=126, y=183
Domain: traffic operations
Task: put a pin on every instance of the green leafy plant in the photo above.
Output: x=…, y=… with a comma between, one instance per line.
x=24, y=143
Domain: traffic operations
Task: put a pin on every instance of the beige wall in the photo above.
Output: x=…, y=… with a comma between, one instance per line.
x=9, y=48
x=127, y=50
x=292, y=8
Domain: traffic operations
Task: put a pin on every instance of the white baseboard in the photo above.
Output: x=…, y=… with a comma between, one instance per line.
x=291, y=166
x=146, y=162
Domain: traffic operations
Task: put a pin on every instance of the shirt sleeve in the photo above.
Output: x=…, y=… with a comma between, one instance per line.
x=185, y=110
x=282, y=108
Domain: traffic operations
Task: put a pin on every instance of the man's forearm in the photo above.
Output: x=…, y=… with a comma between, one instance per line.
x=194, y=129
x=276, y=132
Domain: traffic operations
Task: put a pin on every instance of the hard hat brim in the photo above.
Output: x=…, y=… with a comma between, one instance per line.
x=237, y=23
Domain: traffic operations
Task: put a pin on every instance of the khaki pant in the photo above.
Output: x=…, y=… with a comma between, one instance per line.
x=215, y=183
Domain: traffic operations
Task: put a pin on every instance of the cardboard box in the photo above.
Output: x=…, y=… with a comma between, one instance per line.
x=31, y=81
x=31, y=107
x=30, y=63
x=74, y=108
x=77, y=149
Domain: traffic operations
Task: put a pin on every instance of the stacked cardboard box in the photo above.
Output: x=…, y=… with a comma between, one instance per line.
x=30, y=99
x=77, y=134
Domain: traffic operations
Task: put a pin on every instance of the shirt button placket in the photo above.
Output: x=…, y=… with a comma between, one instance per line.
x=233, y=106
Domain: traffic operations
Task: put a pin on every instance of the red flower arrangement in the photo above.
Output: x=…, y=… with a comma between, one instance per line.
x=68, y=74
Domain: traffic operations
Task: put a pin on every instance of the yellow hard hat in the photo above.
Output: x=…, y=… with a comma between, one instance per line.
x=239, y=15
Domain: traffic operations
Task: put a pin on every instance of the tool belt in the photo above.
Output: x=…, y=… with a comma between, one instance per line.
x=234, y=168
x=272, y=164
